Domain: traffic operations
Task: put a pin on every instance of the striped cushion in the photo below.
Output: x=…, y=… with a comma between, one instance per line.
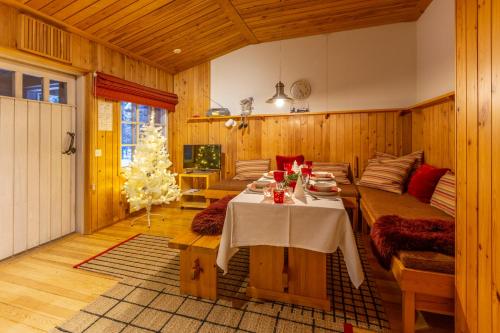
x=251, y=169
x=444, y=195
x=419, y=157
x=387, y=174
x=339, y=170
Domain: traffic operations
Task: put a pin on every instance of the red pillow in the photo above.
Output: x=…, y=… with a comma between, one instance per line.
x=424, y=181
x=281, y=160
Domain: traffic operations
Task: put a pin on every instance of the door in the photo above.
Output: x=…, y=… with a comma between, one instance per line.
x=37, y=172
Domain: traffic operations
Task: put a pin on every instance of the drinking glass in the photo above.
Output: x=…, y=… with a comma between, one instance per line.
x=279, y=177
x=279, y=196
x=306, y=174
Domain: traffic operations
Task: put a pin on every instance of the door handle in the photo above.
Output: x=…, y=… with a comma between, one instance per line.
x=71, y=149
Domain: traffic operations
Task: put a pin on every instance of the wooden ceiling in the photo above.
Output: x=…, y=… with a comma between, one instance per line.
x=205, y=29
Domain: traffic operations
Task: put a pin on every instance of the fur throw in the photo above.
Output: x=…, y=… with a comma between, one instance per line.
x=391, y=234
x=210, y=221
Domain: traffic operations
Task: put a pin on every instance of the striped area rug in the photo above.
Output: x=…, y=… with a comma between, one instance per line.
x=147, y=299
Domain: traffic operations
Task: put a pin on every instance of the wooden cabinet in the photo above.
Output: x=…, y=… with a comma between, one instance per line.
x=193, y=187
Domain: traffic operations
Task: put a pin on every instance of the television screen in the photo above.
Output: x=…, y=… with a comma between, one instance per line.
x=202, y=157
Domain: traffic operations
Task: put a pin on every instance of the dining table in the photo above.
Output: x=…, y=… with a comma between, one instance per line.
x=289, y=244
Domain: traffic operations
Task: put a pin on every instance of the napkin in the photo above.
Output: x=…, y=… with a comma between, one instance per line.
x=299, y=193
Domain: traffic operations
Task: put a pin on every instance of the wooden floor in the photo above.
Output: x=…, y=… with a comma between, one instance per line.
x=40, y=288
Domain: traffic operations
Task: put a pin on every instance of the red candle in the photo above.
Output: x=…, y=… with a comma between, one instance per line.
x=279, y=176
x=279, y=196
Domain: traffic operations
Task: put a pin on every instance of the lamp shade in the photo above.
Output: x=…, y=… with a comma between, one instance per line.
x=279, y=97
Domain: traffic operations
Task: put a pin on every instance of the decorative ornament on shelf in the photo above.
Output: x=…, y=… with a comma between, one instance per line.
x=246, y=110
x=246, y=106
x=148, y=178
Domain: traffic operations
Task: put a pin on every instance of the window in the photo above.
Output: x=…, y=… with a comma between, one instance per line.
x=6, y=83
x=58, y=92
x=32, y=87
x=133, y=116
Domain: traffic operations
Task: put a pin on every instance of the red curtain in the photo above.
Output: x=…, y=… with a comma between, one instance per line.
x=111, y=87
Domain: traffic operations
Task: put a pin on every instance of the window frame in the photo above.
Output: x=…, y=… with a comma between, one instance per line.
x=12, y=75
x=21, y=69
x=137, y=123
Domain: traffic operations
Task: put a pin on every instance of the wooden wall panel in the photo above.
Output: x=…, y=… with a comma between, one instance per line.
x=108, y=205
x=433, y=131
x=343, y=137
x=324, y=137
x=8, y=28
x=478, y=150
x=87, y=57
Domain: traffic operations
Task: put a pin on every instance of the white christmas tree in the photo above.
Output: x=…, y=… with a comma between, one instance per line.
x=149, y=180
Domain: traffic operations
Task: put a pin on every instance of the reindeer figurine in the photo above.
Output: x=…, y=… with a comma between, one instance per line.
x=246, y=110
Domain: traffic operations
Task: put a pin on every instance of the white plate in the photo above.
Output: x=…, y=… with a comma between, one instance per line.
x=252, y=188
x=325, y=194
x=322, y=176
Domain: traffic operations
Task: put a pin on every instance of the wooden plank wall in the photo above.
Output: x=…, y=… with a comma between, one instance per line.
x=36, y=192
x=433, y=131
x=104, y=204
x=347, y=137
x=332, y=137
x=478, y=165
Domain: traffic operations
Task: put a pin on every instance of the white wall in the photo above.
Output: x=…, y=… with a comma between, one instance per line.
x=388, y=66
x=366, y=68
x=372, y=68
x=436, y=50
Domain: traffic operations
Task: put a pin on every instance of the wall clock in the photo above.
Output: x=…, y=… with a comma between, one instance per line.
x=300, y=89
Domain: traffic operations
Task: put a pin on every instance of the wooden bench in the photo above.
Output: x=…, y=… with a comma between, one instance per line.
x=198, y=269
x=423, y=290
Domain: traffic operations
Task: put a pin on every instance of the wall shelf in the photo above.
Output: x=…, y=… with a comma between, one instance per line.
x=264, y=116
x=424, y=104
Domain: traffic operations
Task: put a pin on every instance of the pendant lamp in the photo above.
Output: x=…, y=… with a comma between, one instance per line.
x=280, y=98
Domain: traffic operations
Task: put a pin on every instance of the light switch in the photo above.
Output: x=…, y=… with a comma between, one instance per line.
x=98, y=153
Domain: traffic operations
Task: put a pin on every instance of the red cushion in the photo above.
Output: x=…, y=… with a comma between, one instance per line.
x=424, y=181
x=281, y=160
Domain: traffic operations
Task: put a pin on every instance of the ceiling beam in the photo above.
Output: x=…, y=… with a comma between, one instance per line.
x=49, y=19
x=235, y=17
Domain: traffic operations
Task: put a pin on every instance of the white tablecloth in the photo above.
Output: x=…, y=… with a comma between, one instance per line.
x=318, y=225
